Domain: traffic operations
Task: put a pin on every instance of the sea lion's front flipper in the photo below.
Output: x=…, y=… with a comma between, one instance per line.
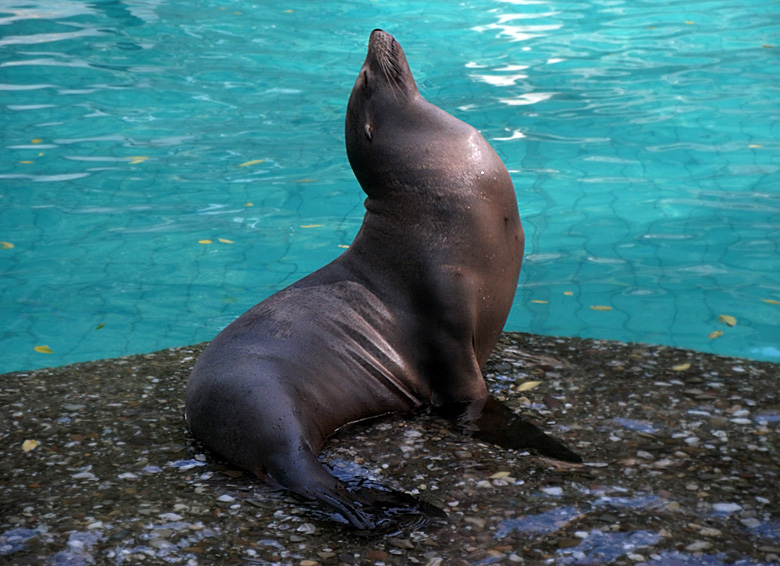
x=493, y=422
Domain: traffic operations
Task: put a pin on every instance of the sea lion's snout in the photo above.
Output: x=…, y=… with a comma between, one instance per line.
x=387, y=62
x=380, y=44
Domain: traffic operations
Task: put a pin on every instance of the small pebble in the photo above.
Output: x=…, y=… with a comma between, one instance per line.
x=726, y=507
x=698, y=546
x=499, y=475
x=400, y=543
x=476, y=521
x=662, y=464
x=307, y=528
x=568, y=542
x=767, y=548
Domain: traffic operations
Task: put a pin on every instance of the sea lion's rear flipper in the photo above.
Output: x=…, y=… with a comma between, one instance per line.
x=366, y=505
x=494, y=422
x=392, y=510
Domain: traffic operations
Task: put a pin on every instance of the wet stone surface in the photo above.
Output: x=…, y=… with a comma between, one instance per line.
x=681, y=468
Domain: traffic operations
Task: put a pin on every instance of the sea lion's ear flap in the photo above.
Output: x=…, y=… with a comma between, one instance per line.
x=369, y=130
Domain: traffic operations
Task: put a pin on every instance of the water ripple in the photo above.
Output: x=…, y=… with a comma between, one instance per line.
x=48, y=37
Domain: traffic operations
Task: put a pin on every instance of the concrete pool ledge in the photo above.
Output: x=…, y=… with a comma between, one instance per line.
x=681, y=452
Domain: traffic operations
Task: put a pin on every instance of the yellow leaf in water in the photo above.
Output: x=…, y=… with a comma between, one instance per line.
x=311, y=225
x=205, y=242
x=99, y=326
x=727, y=320
x=528, y=385
x=689, y=22
x=43, y=350
x=253, y=162
x=568, y=293
x=343, y=246
x=289, y=11
x=681, y=367
x=755, y=145
x=715, y=334
x=770, y=301
x=6, y=245
x=27, y=162
x=137, y=159
x=499, y=475
x=226, y=241
x=37, y=140
x=537, y=301
x=249, y=204
x=600, y=308
x=28, y=445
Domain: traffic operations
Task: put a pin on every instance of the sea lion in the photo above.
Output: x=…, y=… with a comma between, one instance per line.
x=406, y=317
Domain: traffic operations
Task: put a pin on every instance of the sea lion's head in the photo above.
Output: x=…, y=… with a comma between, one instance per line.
x=398, y=143
x=382, y=103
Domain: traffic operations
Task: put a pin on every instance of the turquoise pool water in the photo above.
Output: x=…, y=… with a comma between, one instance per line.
x=642, y=138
